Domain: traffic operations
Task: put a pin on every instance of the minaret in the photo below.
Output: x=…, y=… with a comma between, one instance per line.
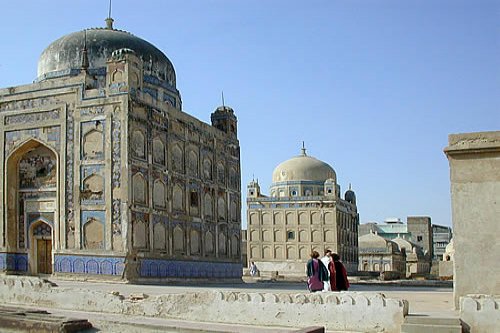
x=224, y=119
x=85, y=58
x=253, y=189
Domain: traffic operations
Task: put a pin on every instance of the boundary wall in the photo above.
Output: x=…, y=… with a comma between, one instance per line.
x=344, y=311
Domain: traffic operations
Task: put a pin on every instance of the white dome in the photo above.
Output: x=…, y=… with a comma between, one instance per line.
x=372, y=241
x=303, y=167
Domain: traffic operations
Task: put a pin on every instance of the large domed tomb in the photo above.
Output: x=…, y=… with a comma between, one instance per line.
x=108, y=176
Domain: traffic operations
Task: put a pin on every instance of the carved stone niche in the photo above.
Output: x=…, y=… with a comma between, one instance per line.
x=93, y=140
x=93, y=188
x=158, y=151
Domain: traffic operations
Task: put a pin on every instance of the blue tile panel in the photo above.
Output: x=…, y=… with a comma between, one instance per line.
x=158, y=268
x=14, y=262
x=88, y=265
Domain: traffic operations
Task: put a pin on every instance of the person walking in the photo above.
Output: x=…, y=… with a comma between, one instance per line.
x=253, y=269
x=316, y=273
x=340, y=282
x=328, y=262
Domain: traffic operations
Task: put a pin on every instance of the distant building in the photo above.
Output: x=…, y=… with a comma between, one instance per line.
x=427, y=241
x=441, y=236
x=378, y=254
x=305, y=212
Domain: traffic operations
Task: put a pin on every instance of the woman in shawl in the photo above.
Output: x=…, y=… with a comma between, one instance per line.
x=316, y=273
x=340, y=282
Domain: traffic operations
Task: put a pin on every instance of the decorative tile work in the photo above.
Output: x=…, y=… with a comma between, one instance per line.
x=70, y=224
x=17, y=262
x=117, y=215
x=152, y=92
x=31, y=118
x=164, y=84
x=48, y=135
x=160, y=219
x=25, y=104
x=169, y=100
x=158, y=268
x=89, y=265
x=43, y=229
x=93, y=111
x=115, y=155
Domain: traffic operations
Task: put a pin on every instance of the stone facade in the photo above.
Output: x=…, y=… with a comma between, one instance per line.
x=104, y=174
x=475, y=195
x=305, y=212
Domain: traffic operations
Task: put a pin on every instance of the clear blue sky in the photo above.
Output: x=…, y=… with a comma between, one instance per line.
x=372, y=87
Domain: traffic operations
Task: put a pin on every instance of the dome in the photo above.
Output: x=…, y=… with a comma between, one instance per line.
x=224, y=108
x=303, y=167
x=403, y=244
x=65, y=53
x=350, y=196
x=372, y=241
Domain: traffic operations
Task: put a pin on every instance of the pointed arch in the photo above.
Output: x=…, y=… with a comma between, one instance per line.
x=159, y=194
x=207, y=168
x=209, y=242
x=93, y=144
x=178, y=236
x=158, y=151
x=195, y=242
x=139, y=188
x=177, y=158
x=208, y=205
x=192, y=165
x=32, y=166
x=138, y=144
x=178, y=197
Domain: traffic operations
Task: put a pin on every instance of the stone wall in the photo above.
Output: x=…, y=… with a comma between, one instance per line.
x=475, y=192
x=480, y=313
x=345, y=311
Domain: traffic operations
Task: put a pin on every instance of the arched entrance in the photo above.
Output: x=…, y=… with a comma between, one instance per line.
x=31, y=201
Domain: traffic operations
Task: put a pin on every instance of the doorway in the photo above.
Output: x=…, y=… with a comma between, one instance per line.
x=44, y=256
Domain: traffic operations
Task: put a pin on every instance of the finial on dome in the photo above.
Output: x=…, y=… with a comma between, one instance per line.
x=303, y=149
x=222, y=93
x=109, y=20
x=349, y=186
x=85, y=58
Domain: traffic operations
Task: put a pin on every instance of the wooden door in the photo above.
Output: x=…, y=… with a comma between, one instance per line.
x=44, y=256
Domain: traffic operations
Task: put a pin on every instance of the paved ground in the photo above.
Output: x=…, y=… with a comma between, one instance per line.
x=423, y=300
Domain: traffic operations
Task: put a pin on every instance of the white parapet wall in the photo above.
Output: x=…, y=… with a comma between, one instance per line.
x=480, y=313
x=345, y=311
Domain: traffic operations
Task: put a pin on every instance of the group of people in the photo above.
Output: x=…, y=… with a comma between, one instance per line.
x=327, y=273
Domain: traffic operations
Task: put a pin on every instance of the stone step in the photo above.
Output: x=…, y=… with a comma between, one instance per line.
x=431, y=320
x=415, y=324
x=39, y=321
x=420, y=328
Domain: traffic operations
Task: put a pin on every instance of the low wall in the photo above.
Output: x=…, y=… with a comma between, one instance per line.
x=345, y=311
x=480, y=313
